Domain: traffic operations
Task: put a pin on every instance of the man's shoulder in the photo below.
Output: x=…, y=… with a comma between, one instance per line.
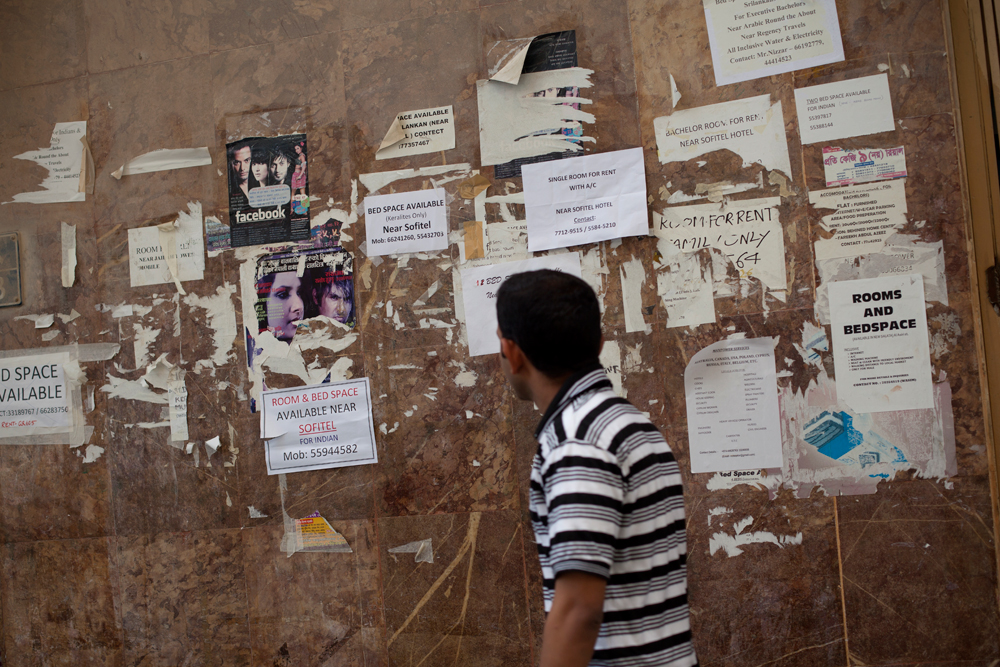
x=597, y=417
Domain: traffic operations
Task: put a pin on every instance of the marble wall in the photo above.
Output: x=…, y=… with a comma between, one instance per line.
x=147, y=555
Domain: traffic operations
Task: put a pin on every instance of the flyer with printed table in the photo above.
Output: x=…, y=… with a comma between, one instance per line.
x=881, y=353
x=585, y=199
x=732, y=406
x=406, y=222
x=317, y=427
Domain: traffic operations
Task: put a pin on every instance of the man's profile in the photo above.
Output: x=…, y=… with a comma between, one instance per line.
x=239, y=162
x=606, y=500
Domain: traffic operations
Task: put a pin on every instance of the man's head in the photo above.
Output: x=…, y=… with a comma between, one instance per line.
x=553, y=318
x=239, y=161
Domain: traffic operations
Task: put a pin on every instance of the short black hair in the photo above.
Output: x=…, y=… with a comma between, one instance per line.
x=553, y=317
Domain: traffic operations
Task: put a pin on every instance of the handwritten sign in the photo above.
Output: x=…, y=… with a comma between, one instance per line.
x=406, y=222
x=746, y=231
x=585, y=199
x=317, y=427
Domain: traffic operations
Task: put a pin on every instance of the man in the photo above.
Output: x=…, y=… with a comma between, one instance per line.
x=606, y=499
x=239, y=163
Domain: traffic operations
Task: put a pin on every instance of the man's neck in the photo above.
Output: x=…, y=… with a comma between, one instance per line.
x=544, y=389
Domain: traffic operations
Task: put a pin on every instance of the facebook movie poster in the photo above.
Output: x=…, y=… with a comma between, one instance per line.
x=268, y=190
x=284, y=297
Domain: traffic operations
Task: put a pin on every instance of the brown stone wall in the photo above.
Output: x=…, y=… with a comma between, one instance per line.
x=149, y=556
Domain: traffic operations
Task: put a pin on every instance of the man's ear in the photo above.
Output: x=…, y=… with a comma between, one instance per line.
x=512, y=352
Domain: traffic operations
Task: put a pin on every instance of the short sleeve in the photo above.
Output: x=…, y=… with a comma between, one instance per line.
x=584, y=491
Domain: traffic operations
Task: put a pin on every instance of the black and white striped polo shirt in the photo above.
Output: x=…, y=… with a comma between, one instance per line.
x=606, y=498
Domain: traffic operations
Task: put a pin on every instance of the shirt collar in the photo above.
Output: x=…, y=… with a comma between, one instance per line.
x=584, y=380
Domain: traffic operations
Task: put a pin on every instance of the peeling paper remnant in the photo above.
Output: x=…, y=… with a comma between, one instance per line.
x=422, y=548
x=313, y=534
x=518, y=121
x=68, y=237
x=64, y=158
x=633, y=275
x=164, y=159
x=505, y=59
x=732, y=543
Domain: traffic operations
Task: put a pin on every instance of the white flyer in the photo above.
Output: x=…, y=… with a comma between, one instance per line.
x=149, y=264
x=863, y=166
x=849, y=108
x=34, y=395
x=747, y=231
x=585, y=199
x=479, y=293
x=863, y=217
x=317, y=427
x=881, y=354
x=753, y=128
x=406, y=222
x=751, y=39
x=418, y=132
x=732, y=406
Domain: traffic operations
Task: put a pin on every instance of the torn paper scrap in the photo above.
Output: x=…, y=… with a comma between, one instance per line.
x=40, y=321
x=471, y=187
x=177, y=401
x=863, y=166
x=68, y=236
x=750, y=42
x=212, y=445
x=848, y=108
x=479, y=288
x=313, y=534
x=64, y=158
x=528, y=119
x=675, y=95
x=423, y=549
x=585, y=199
x=164, y=159
x=633, y=275
x=216, y=236
x=863, y=217
x=418, y=132
x=752, y=128
x=881, y=351
x=149, y=263
x=747, y=231
x=505, y=59
x=732, y=406
x=731, y=543
x=611, y=359
x=473, y=239
x=684, y=284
